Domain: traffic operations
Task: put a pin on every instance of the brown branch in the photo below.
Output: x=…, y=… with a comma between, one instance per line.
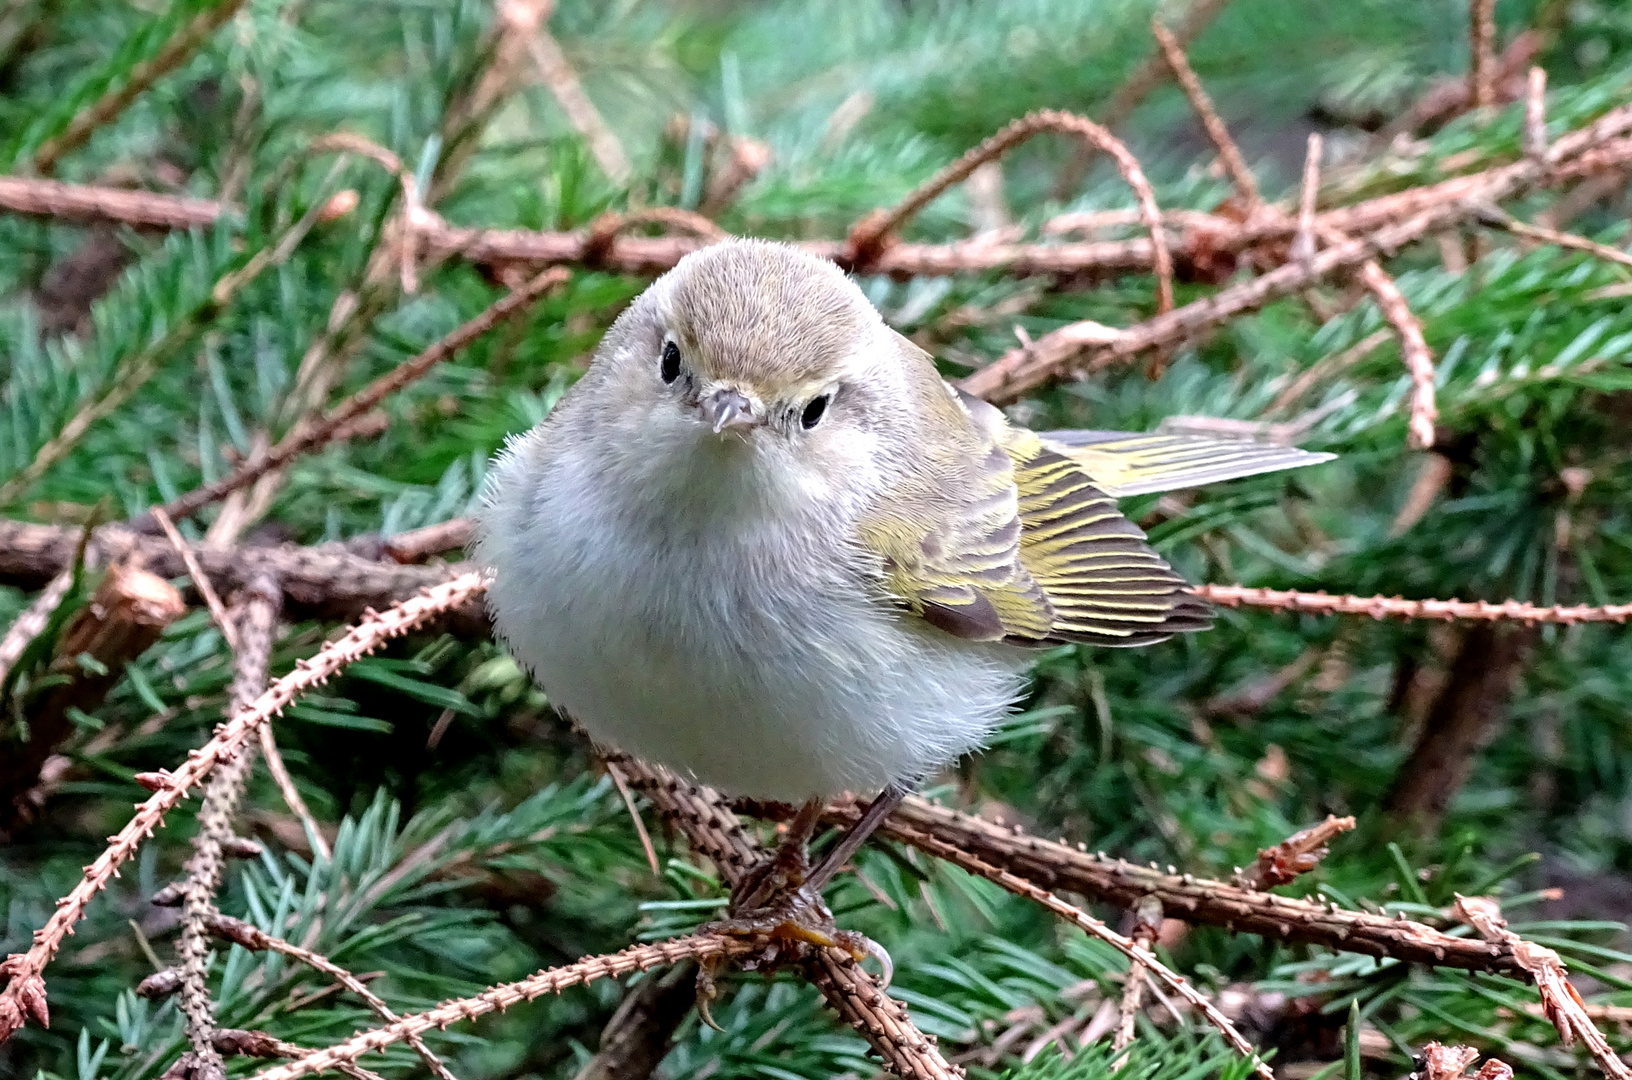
x=1555, y=237
x=1296, y=855
x=1060, y=866
x=1134, y=89
x=551, y=981
x=320, y=430
x=235, y=1042
x=24, y=995
x=290, y=793
x=169, y=57
x=1246, y=185
x=1535, y=115
x=714, y=832
x=326, y=581
x=1559, y=999
x=556, y=72
x=1147, y=926
x=252, y=653
x=195, y=574
x=641, y=1031
x=86, y=204
x=33, y=619
x=1482, y=44
x=1419, y=361
x=1393, y=607
x=254, y=939
x=1303, y=242
x=867, y=238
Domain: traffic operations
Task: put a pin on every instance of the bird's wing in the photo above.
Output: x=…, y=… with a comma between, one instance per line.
x=1122, y=464
x=954, y=557
x=1105, y=584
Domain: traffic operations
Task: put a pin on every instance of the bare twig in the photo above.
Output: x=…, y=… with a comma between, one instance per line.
x=1246, y=185
x=40, y=197
x=556, y=72
x=1562, y=1004
x=1393, y=607
x=1147, y=925
x=1419, y=362
x=195, y=573
x=1296, y=855
x=1482, y=44
x=308, y=436
x=868, y=238
x=256, y=940
x=1303, y=244
x=252, y=652
x=169, y=57
x=551, y=981
x=33, y=619
x=1502, y=220
x=290, y=793
x=234, y=1042
x=24, y=995
x=622, y=785
x=1535, y=115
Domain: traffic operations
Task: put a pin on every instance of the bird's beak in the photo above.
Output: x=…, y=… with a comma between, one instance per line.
x=727, y=408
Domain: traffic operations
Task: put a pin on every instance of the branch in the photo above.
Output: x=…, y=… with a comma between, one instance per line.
x=1384, y=607
x=498, y=998
x=254, y=939
x=1246, y=185
x=309, y=435
x=24, y=995
x=1419, y=362
x=1482, y=44
x=867, y=238
x=252, y=653
x=169, y=57
x=1296, y=855
x=1559, y=999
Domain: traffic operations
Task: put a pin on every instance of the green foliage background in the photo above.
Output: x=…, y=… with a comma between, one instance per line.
x=1119, y=750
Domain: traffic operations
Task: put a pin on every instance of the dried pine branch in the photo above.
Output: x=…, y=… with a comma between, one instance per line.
x=1385, y=607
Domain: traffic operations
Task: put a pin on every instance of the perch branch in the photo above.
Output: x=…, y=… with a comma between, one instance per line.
x=24, y=994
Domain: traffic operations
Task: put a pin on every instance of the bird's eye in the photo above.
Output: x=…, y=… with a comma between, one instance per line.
x=813, y=412
x=670, y=367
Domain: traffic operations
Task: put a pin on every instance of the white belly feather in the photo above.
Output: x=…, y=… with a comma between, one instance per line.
x=749, y=661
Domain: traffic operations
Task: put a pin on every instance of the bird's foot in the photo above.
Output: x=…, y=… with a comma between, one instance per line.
x=794, y=921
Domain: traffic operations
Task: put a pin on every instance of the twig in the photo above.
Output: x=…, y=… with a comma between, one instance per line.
x=1134, y=89
x=1535, y=115
x=1147, y=925
x=556, y=71
x=1393, y=607
x=498, y=998
x=325, y=581
x=1060, y=866
x=1502, y=220
x=169, y=57
x=1482, y=44
x=1419, y=362
x=233, y=1042
x=1095, y=928
x=1303, y=244
x=206, y=591
x=24, y=995
x=33, y=619
x=642, y=1029
x=1562, y=1004
x=1246, y=185
x=290, y=793
x=1325, y=369
x=41, y=197
x=1296, y=855
x=714, y=832
x=252, y=653
x=308, y=436
x=868, y=237
x=622, y=785
x=256, y=940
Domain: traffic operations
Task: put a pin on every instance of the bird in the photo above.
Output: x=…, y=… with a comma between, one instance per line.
x=762, y=542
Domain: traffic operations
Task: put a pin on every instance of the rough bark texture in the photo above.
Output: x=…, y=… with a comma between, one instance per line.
x=641, y=1032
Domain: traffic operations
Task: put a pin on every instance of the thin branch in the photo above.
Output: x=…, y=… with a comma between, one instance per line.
x=622, y=785
x=867, y=238
x=308, y=436
x=1393, y=607
x=1303, y=244
x=234, y=1042
x=256, y=940
x=87, y=204
x=556, y=72
x=290, y=793
x=195, y=573
x=170, y=56
x=24, y=995
x=1246, y=185
x=1296, y=855
x=252, y=652
x=551, y=981
x=1502, y=220
x=1147, y=925
x=1563, y=1006
x=1482, y=44
x=1419, y=361
x=33, y=620
x=1535, y=115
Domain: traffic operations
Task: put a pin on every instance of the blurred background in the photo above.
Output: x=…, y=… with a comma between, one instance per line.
x=476, y=840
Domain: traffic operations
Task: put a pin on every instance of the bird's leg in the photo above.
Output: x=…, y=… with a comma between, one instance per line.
x=879, y=809
x=786, y=870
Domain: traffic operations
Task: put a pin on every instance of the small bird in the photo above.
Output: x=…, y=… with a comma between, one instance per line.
x=761, y=542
